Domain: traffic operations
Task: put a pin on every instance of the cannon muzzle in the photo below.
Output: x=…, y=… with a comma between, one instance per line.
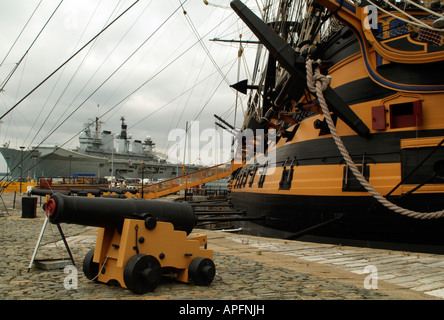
x=111, y=213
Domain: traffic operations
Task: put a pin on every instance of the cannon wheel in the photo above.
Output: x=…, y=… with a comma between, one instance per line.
x=90, y=268
x=142, y=273
x=202, y=271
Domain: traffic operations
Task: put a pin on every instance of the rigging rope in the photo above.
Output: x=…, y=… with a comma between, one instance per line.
x=199, y=38
x=50, y=113
x=93, y=75
x=32, y=44
x=118, y=103
x=112, y=74
x=424, y=8
x=61, y=66
x=418, y=23
x=317, y=83
x=23, y=29
x=69, y=59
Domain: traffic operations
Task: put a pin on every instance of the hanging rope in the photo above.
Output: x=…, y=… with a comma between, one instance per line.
x=27, y=51
x=439, y=15
x=69, y=59
x=417, y=22
x=23, y=29
x=317, y=83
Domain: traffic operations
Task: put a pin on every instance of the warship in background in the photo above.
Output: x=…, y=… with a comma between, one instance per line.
x=99, y=155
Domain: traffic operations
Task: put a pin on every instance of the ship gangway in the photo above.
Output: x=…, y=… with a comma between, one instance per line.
x=189, y=180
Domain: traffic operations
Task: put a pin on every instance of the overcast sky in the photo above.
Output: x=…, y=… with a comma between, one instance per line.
x=179, y=81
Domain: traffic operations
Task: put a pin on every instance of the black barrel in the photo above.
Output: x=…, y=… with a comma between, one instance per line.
x=29, y=207
x=119, y=190
x=44, y=192
x=94, y=192
x=110, y=213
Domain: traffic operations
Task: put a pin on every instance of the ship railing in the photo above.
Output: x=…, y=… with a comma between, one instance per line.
x=48, y=182
x=397, y=28
x=189, y=180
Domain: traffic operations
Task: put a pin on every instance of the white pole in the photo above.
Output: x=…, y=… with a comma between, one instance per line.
x=38, y=243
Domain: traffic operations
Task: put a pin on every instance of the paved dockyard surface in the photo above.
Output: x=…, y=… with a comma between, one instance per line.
x=247, y=268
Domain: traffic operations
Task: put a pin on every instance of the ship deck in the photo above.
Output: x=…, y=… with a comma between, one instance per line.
x=247, y=268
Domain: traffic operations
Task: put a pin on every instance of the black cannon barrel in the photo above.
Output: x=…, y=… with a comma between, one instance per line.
x=95, y=192
x=110, y=213
x=44, y=192
x=120, y=190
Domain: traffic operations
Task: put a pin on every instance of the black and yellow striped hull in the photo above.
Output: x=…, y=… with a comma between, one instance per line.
x=403, y=106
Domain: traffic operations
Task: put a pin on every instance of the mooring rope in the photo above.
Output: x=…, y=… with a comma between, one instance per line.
x=318, y=83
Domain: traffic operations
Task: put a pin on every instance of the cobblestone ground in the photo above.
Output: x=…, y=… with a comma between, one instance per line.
x=237, y=276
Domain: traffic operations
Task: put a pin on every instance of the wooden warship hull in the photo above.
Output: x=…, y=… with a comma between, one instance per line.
x=310, y=189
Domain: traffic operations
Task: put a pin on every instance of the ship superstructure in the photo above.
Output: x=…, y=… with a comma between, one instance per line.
x=100, y=154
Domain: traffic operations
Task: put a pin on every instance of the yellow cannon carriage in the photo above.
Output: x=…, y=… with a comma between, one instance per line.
x=138, y=240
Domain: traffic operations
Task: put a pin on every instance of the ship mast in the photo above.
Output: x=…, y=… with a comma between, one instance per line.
x=123, y=133
x=97, y=132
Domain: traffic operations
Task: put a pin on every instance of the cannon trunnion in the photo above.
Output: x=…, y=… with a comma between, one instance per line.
x=138, y=240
